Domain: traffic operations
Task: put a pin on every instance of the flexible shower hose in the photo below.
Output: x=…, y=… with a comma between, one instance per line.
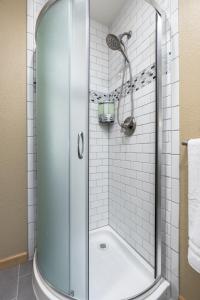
x=121, y=91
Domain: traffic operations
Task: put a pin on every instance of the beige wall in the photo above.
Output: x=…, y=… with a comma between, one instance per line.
x=13, y=202
x=190, y=127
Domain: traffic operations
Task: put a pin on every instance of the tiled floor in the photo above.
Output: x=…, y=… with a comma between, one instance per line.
x=16, y=283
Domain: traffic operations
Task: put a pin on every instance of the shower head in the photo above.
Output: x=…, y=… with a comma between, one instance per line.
x=115, y=43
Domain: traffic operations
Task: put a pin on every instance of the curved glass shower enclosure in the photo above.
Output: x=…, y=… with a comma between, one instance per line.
x=99, y=180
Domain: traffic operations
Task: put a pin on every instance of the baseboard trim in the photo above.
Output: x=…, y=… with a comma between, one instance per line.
x=14, y=260
x=181, y=298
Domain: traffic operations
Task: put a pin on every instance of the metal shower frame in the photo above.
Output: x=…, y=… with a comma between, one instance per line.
x=160, y=21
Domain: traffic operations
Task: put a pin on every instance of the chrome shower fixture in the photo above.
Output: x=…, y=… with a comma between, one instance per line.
x=117, y=43
x=127, y=34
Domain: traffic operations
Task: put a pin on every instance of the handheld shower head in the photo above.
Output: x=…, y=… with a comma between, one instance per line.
x=115, y=43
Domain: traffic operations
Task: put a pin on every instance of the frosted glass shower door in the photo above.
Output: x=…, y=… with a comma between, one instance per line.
x=61, y=122
x=53, y=133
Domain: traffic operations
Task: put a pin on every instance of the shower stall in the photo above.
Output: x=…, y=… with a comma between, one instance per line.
x=99, y=148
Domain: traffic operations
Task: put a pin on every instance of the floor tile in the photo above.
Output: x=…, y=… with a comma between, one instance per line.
x=8, y=283
x=26, y=269
x=25, y=291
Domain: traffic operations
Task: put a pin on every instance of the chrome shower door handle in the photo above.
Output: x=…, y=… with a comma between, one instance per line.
x=80, y=145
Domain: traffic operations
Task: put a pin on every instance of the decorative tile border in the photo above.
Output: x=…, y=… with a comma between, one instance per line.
x=142, y=79
x=97, y=97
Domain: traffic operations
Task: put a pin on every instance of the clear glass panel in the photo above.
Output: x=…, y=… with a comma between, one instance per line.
x=123, y=177
x=53, y=133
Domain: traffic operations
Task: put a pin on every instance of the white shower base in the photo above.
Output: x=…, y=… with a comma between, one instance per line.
x=117, y=272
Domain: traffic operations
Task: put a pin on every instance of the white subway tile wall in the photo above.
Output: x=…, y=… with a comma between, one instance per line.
x=132, y=159
x=98, y=134
x=139, y=17
x=98, y=57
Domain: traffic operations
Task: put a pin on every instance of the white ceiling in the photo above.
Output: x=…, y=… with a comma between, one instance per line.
x=105, y=11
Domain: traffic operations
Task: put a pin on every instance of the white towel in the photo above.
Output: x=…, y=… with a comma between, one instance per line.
x=194, y=203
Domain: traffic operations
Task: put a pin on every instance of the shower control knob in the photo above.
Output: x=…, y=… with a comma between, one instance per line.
x=129, y=126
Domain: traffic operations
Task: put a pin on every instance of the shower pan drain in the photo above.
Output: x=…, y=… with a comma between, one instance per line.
x=103, y=246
